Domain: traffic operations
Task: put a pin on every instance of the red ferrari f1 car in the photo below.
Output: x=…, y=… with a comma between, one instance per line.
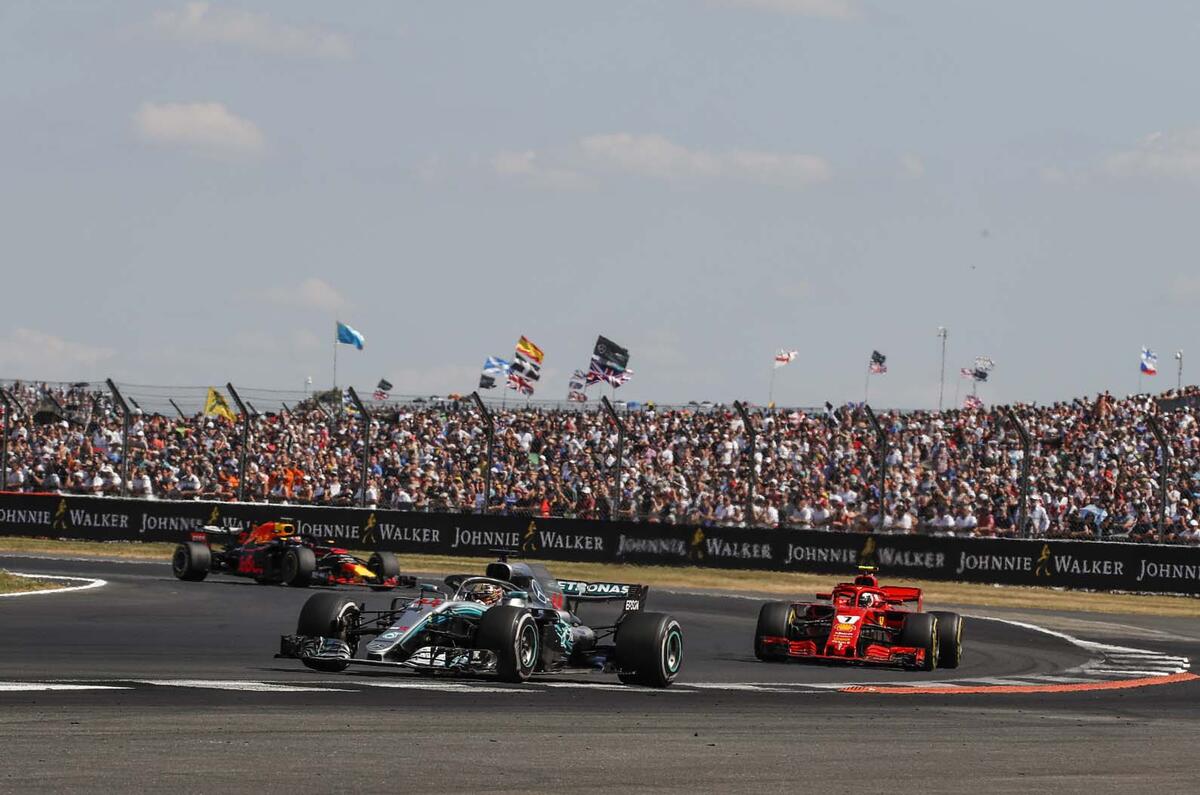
x=861, y=622
x=273, y=552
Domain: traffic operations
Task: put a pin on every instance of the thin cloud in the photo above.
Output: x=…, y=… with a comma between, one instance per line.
x=31, y=353
x=1172, y=155
x=312, y=293
x=658, y=157
x=825, y=9
x=202, y=24
x=528, y=166
x=201, y=126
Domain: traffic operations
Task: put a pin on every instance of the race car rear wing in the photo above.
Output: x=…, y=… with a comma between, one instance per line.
x=577, y=591
x=898, y=594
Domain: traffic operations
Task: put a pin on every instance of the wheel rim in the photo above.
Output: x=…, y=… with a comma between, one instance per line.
x=673, y=651
x=527, y=646
x=179, y=561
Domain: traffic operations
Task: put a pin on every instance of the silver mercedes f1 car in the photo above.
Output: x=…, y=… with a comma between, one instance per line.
x=514, y=621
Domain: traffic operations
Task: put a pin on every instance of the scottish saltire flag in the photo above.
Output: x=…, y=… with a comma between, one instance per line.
x=784, y=358
x=494, y=365
x=348, y=336
x=1149, y=362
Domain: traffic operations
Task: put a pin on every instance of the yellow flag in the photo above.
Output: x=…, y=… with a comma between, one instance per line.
x=216, y=405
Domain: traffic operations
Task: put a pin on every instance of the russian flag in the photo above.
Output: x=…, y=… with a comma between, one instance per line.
x=1149, y=362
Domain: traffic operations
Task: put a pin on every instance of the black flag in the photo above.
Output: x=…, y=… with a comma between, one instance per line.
x=609, y=355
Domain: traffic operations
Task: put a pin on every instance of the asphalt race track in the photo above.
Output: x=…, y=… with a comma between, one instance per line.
x=148, y=682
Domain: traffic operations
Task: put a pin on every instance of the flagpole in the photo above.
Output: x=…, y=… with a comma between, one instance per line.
x=943, y=333
x=335, y=344
x=867, y=386
x=771, y=388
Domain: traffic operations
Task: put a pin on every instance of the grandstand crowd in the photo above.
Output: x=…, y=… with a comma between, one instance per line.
x=1093, y=468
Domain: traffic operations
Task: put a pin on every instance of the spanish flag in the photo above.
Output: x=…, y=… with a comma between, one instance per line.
x=529, y=350
x=216, y=405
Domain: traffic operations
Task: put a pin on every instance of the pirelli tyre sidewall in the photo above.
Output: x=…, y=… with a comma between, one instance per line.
x=297, y=567
x=191, y=561
x=511, y=633
x=773, y=620
x=328, y=615
x=649, y=649
x=921, y=631
x=949, y=632
x=385, y=565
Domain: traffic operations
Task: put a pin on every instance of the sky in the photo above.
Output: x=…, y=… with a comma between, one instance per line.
x=193, y=193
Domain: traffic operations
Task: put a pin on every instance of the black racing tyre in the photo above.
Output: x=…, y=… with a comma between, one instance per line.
x=773, y=620
x=297, y=566
x=512, y=633
x=385, y=565
x=949, y=632
x=328, y=615
x=191, y=561
x=649, y=649
x=921, y=630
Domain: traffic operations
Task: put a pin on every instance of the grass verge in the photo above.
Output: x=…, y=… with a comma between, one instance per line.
x=10, y=583
x=689, y=577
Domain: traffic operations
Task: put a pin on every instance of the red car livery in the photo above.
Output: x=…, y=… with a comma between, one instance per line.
x=861, y=622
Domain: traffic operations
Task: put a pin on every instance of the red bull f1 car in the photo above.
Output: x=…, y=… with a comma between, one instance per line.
x=861, y=622
x=273, y=553
x=511, y=623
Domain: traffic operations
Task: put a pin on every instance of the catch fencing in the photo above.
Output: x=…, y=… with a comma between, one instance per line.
x=1105, y=566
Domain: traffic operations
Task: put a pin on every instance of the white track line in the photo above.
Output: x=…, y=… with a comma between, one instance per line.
x=247, y=686
x=21, y=687
x=443, y=687
x=91, y=582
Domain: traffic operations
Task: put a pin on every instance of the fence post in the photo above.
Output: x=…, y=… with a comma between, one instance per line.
x=1164, y=462
x=8, y=413
x=490, y=422
x=362, y=410
x=245, y=439
x=120, y=400
x=753, y=434
x=1023, y=494
x=881, y=444
x=615, y=501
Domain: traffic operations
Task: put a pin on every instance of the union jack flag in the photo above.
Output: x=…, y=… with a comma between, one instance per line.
x=519, y=384
x=878, y=363
x=597, y=372
x=972, y=402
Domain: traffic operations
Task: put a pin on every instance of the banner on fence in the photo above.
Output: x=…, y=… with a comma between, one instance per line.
x=1073, y=564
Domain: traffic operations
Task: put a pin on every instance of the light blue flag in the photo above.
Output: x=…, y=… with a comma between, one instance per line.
x=348, y=336
x=495, y=365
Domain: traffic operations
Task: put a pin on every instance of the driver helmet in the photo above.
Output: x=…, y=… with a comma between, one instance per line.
x=486, y=593
x=866, y=599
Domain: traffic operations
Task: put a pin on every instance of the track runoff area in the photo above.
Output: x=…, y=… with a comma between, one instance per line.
x=121, y=658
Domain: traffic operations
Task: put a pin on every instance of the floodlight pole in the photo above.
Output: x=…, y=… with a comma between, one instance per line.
x=490, y=422
x=245, y=439
x=881, y=443
x=615, y=501
x=362, y=410
x=1026, y=453
x=1164, y=461
x=753, y=434
x=125, y=413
